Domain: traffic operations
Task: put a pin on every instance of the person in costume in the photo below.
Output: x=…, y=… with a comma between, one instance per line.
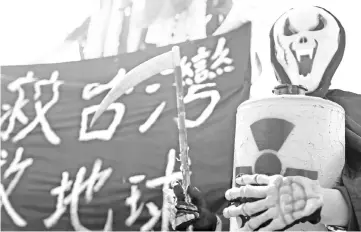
x=307, y=46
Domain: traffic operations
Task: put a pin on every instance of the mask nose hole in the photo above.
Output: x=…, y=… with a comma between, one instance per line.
x=303, y=40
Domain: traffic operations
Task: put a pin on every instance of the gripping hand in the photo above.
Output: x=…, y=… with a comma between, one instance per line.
x=194, y=213
x=276, y=202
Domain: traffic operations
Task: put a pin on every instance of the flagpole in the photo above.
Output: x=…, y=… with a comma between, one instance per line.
x=183, y=142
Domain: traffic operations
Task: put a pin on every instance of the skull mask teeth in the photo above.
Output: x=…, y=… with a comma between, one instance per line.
x=304, y=58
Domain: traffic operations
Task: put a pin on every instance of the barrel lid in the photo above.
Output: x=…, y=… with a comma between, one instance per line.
x=298, y=99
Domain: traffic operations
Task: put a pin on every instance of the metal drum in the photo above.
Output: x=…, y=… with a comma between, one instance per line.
x=290, y=135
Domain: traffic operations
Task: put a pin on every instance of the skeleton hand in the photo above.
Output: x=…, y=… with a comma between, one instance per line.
x=282, y=201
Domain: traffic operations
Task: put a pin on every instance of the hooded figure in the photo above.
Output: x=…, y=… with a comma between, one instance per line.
x=307, y=46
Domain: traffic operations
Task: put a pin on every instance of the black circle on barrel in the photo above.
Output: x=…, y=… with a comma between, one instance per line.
x=268, y=164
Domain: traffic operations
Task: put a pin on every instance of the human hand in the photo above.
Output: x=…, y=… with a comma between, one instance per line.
x=282, y=201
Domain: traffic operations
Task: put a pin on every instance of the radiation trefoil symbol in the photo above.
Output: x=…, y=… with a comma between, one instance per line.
x=269, y=135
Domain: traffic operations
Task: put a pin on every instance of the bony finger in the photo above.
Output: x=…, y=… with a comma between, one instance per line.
x=233, y=211
x=246, y=209
x=230, y=211
x=246, y=191
x=258, y=179
x=245, y=179
x=251, y=208
x=231, y=194
x=257, y=221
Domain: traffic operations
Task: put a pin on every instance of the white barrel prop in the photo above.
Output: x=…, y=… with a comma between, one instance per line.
x=290, y=135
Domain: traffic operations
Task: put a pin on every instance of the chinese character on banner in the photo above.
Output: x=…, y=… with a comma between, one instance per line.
x=151, y=89
x=156, y=213
x=15, y=113
x=16, y=169
x=93, y=184
x=90, y=91
x=205, y=66
x=220, y=61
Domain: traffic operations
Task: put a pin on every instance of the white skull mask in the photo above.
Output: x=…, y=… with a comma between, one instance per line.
x=305, y=42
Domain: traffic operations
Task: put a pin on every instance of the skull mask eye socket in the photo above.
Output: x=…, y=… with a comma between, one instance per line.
x=288, y=30
x=320, y=25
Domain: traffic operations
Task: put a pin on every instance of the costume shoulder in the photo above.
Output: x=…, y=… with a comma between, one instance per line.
x=351, y=178
x=351, y=102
